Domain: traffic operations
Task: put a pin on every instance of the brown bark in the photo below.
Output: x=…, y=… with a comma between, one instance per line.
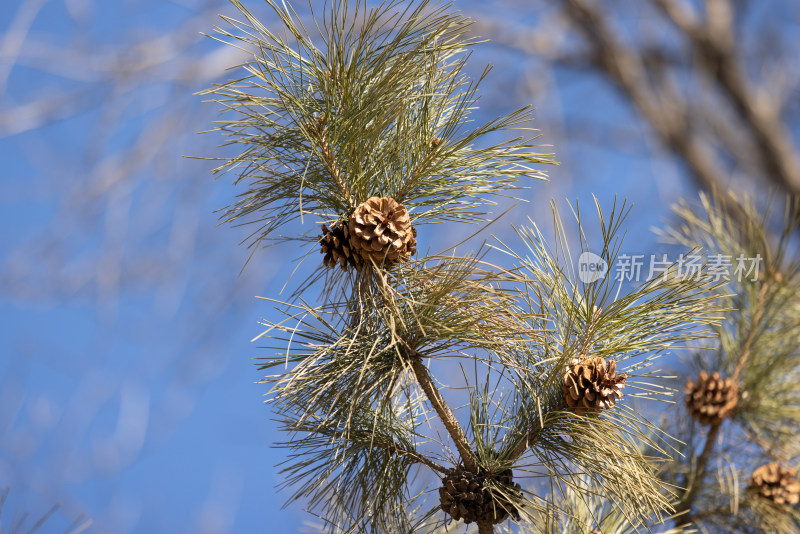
x=443, y=411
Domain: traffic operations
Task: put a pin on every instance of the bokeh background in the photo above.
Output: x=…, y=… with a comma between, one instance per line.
x=128, y=392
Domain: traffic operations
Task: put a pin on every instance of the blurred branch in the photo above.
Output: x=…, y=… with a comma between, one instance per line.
x=659, y=105
x=686, y=74
x=714, y=43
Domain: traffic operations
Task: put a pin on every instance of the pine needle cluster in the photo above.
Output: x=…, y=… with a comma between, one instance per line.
x=381, y=108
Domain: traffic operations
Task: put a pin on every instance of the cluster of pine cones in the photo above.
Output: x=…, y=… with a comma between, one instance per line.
x=592, y=384
x=379, y=230
x=776, y=483
x=466, y=496
x=712, y=398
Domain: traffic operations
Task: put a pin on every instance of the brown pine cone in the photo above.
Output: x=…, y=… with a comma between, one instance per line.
x=335, y=244
x=466, y=496
x=381, y=230
x=592, y=384
x=776, y=483
x=712, y=398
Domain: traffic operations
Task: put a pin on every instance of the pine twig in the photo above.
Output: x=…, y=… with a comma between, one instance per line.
x=443, y=411
x=586, y=338
x=532, y=436
x=748, y=343
x=685, y=504
x=584, y=345
x=522, y=446
x=414, y=456
x=320, y=132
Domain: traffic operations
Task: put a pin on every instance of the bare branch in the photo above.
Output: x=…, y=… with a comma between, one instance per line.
x=714, y=44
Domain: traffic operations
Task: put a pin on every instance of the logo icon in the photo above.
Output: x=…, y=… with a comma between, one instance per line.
x=591, y=267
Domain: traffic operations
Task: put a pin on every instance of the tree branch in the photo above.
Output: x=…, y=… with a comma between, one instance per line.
x=584, y=345
x=685, y=504
x=326, y=154
x=414, y=456
x=714, y=44
x=443, y=411
x=747, y=346
x=660, y=106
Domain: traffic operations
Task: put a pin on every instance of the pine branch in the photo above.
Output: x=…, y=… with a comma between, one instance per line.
x=380, y=110
x=532, y=435
x=753, y=329
x=319, y=133
x=588, y=335
x=414, y=456
x=693, y=486
x=756, y=347
x=446, y=415
x=695, y=482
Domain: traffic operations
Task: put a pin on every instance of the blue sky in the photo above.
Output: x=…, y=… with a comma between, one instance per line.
x=127, y=388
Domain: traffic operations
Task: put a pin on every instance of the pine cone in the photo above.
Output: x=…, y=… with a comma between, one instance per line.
x=592, y=384
x=465, y=495
x=776, y=483
x=380, y=229
x=335, y=244
x=712, y=398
